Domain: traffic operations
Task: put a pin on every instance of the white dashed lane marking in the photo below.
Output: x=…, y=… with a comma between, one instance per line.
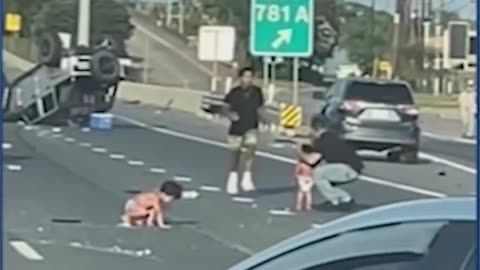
x=210, y=188
x=6, y=146
x=30, y=127
x=99, y=150
x=117, y=156
x=191, y=194
x=42, y=133
x=243, y=200
x=84, y=144
x=14, y=167
x=182, y=179
x=135, y=162
x=69, y=139
x=56, y=129
x=26, y=250
x=157, y=170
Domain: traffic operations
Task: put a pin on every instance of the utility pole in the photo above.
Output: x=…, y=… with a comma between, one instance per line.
x=438, y=58
x=422, y=34
x=372, y=34
x=396, y=24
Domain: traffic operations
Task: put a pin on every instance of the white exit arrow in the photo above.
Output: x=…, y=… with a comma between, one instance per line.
x=283, y=36
x=190, y=194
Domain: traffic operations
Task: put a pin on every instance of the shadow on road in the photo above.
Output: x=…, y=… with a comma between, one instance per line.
x=15, y=158
x=385, y=160
x=349, y=207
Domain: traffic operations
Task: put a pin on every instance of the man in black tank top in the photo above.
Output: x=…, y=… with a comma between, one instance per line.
x=339, y=165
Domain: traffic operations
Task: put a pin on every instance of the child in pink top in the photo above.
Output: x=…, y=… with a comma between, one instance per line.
x=304, y=176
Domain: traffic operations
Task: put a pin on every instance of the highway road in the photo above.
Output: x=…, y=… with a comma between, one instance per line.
x=65, y=188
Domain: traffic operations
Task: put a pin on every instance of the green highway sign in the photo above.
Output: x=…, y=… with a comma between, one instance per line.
x=281, y=28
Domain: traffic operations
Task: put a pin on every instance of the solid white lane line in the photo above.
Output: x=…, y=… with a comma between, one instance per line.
x=99, y=150
x=117, y=156
x=403, y=187
x=135, y=162
x=26, y=250
x=448, y=138
x=447, y=162
x=277, y=157
x=14, y=167
x=157, y=170
x=243, y=200
x=210, y=188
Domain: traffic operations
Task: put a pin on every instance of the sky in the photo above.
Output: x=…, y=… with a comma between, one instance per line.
x=466, y=8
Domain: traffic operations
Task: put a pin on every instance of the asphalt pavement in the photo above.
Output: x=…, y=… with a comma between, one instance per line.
x=65, y=187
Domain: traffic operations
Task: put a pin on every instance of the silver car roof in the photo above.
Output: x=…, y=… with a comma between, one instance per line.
x=450, y=208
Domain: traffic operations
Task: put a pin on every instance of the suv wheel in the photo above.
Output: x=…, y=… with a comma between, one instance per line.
x=409, y=155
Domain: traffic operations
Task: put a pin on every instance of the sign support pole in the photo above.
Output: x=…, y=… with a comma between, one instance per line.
x=265, y=72
x=214, y=76
x=296, y=78
x=274, y=73
x=215, y=66
x=146, y=68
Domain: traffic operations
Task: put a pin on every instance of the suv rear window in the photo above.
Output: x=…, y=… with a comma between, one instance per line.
x=389, y=93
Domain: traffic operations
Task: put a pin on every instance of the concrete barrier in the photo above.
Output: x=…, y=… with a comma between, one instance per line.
x=177, y=98
x=181, y=99
x=16, y=61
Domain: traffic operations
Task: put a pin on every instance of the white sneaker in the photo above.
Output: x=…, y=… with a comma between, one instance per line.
x=247, y=183
x=232, y=183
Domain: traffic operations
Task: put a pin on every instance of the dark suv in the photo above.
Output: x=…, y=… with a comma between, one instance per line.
x=373, y=115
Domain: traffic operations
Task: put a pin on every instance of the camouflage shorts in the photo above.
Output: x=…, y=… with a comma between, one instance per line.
x=248, y=139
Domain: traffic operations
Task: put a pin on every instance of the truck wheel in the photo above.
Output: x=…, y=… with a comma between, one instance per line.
x=50, y=49
x=105, y=67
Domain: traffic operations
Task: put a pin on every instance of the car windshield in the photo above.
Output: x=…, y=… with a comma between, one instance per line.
x=389, y=93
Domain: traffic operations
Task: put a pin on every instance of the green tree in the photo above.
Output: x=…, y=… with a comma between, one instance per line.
x=363, y=41
x=108, y=17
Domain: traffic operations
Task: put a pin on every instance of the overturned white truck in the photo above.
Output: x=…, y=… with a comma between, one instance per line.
x=66, y=85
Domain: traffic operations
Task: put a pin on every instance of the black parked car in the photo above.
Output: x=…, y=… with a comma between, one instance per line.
x=374, y=115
